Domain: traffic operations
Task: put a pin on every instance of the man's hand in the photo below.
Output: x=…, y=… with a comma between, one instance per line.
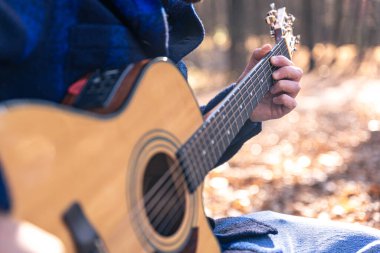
x=280, y=100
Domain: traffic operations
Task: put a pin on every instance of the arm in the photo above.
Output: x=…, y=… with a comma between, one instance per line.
x=278, y=102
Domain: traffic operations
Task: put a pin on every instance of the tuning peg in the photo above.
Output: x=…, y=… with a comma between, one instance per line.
x=291, y=18
x=271, y=20
x=271, y=17
x=298, y=39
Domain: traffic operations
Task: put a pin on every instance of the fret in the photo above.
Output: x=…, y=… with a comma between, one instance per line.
x=203, y=150
x=187, y=169
x=202, y=164
x=213, y=146
x=195, y=159
x=230, y=128
x=219, y=128
x=220, y=136
x=194, y=177
x=242, y=112
x=206, y=150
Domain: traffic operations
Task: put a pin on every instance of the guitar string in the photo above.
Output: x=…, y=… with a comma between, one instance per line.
x=169, y=174
x=177, y=164
x=178, y=213
x=245, y=89
x=163, y=226
x=236, y=123
x=177, y=176
x=160, y=224
x=199, y=164
x=194, y=166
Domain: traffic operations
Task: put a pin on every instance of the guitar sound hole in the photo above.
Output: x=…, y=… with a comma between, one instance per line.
x=164, y=195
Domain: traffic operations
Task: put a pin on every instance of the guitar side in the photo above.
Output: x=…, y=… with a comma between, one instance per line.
x=53, y=157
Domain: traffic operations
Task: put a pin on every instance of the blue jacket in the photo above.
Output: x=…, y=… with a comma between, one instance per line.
x=46, y=45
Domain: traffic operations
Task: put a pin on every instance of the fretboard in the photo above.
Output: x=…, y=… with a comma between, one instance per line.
x=206, y=146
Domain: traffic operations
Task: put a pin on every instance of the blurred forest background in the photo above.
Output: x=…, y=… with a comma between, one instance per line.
x=323, y=159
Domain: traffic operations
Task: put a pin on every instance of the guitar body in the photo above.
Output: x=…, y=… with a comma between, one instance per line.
x=53, y=157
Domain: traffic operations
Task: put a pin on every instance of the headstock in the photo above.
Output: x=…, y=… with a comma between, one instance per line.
x=281, y=25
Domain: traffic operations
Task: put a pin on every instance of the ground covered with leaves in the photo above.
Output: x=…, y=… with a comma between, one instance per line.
x=320, y=161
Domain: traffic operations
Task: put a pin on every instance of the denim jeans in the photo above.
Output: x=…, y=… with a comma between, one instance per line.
x=306, y=235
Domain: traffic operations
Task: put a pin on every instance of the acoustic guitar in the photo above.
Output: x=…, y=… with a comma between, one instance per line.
x=122, y=169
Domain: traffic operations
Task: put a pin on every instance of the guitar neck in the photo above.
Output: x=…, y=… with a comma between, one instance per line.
x=204, y=149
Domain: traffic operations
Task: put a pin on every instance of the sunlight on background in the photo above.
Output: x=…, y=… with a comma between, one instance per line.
x=310, y=162
x=374, y=125
x=321, y=160
x=221, y=38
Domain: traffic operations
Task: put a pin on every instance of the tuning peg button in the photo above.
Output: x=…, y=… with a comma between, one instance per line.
x=298, y=39
x=271, y=18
